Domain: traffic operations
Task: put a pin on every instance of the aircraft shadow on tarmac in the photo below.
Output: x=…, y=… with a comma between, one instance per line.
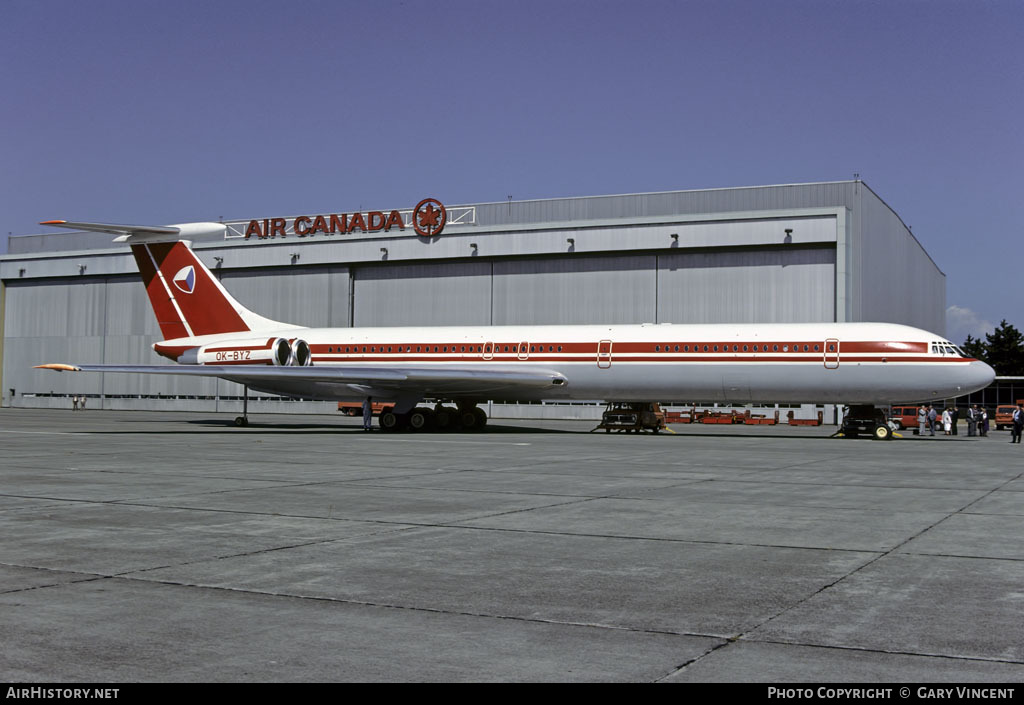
x=221, y=425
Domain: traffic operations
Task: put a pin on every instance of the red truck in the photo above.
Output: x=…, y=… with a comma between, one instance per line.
x=1004, y=415
x=355, y=408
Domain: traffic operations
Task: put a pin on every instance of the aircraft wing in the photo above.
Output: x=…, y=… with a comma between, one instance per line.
x=427, y=381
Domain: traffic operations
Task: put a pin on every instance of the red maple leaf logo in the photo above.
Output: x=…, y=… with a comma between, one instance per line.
x=429, y=217
x=429, y=220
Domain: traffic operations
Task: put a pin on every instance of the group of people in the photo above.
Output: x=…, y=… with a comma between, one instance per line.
x=977, y=421
x=77, y=402
x=928, y=418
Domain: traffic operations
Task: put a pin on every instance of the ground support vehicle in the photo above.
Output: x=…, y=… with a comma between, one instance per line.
x=632, y=417
x=867, y=420
x=1004, y=415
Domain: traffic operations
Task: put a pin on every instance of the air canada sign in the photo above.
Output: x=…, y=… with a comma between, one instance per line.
x=428, y=220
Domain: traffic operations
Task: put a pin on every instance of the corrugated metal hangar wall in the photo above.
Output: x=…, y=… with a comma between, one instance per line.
x=802, y=253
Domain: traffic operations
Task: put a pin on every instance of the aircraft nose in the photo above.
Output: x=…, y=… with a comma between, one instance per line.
x=979, y=375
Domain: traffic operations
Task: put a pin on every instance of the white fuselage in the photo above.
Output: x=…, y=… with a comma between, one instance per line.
x=737, y=363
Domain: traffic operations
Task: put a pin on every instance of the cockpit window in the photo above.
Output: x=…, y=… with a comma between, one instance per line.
x=946, y=348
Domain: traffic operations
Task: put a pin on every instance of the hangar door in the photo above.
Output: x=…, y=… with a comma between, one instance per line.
x=444, y=294
x=575, y=289
x=770, y=285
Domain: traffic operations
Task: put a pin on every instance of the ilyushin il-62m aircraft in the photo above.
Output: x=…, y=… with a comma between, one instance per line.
x=210, y=334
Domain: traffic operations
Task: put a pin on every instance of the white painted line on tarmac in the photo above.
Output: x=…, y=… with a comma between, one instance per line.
x=461, y=443
x=50, y=433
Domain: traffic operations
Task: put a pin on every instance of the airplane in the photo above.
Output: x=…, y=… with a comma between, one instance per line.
x=210, y=334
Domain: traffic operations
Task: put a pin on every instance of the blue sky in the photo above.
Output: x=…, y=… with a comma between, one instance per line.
x=157, y=112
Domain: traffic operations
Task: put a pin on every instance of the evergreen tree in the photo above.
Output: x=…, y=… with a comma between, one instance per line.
x=975, y=348
x=1005, y=350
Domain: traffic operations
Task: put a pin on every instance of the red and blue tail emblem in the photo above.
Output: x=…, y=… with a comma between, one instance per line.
x=185, y=279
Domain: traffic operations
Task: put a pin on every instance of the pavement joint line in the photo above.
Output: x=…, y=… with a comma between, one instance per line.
x=86, y=578
x=893, y=652
x=462, y=524
x=870, y=562
x=47, y=433
x=682, y=667
x=359, y=483
x=412, y=608
x=355, y=483
x=991, y=514
x=394, y=529
x=662, y=539
x=830, y=507
x=798, y=483
x=861, y=649
x=273, y=483
x=137, y=503
x=1010, y=559
x=439, y=440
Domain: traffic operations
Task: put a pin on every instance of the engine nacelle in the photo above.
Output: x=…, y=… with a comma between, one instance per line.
x=259, y=351
x=302, y=356
x=281, y=352
x=273, y=351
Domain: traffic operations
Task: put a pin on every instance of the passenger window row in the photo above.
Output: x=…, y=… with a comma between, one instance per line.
x=492, y=348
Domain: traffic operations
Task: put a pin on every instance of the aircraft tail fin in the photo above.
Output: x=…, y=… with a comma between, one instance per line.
x=187, y=298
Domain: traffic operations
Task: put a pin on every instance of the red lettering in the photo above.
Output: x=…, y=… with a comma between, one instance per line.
x=394, y=219
x=357, y=222
x=376, y=219
x=371, y=222
x=339, y=223
x=319, y=225
x=253, y=229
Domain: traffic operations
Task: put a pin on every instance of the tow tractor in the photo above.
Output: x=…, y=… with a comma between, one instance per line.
x=632, y=417
x=868, y=420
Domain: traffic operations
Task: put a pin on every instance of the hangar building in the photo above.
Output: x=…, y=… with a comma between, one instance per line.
x=813, y=252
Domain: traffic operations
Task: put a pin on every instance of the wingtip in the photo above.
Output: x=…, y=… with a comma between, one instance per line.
x=60, y=367
x=52, y=222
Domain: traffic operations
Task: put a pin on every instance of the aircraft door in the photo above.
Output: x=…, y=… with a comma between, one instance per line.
x=831, y=354
x=488, y=351
x=524, y=350
x=604, y=354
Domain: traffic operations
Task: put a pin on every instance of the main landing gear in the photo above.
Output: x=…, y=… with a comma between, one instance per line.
x=422, y=419
x=243, y=420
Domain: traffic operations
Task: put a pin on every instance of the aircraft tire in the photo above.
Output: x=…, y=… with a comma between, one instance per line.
x=468, y=420
x=421, y=419
x=481, y=417
x=389, y=421
x=241, y=421
x=444, y=419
